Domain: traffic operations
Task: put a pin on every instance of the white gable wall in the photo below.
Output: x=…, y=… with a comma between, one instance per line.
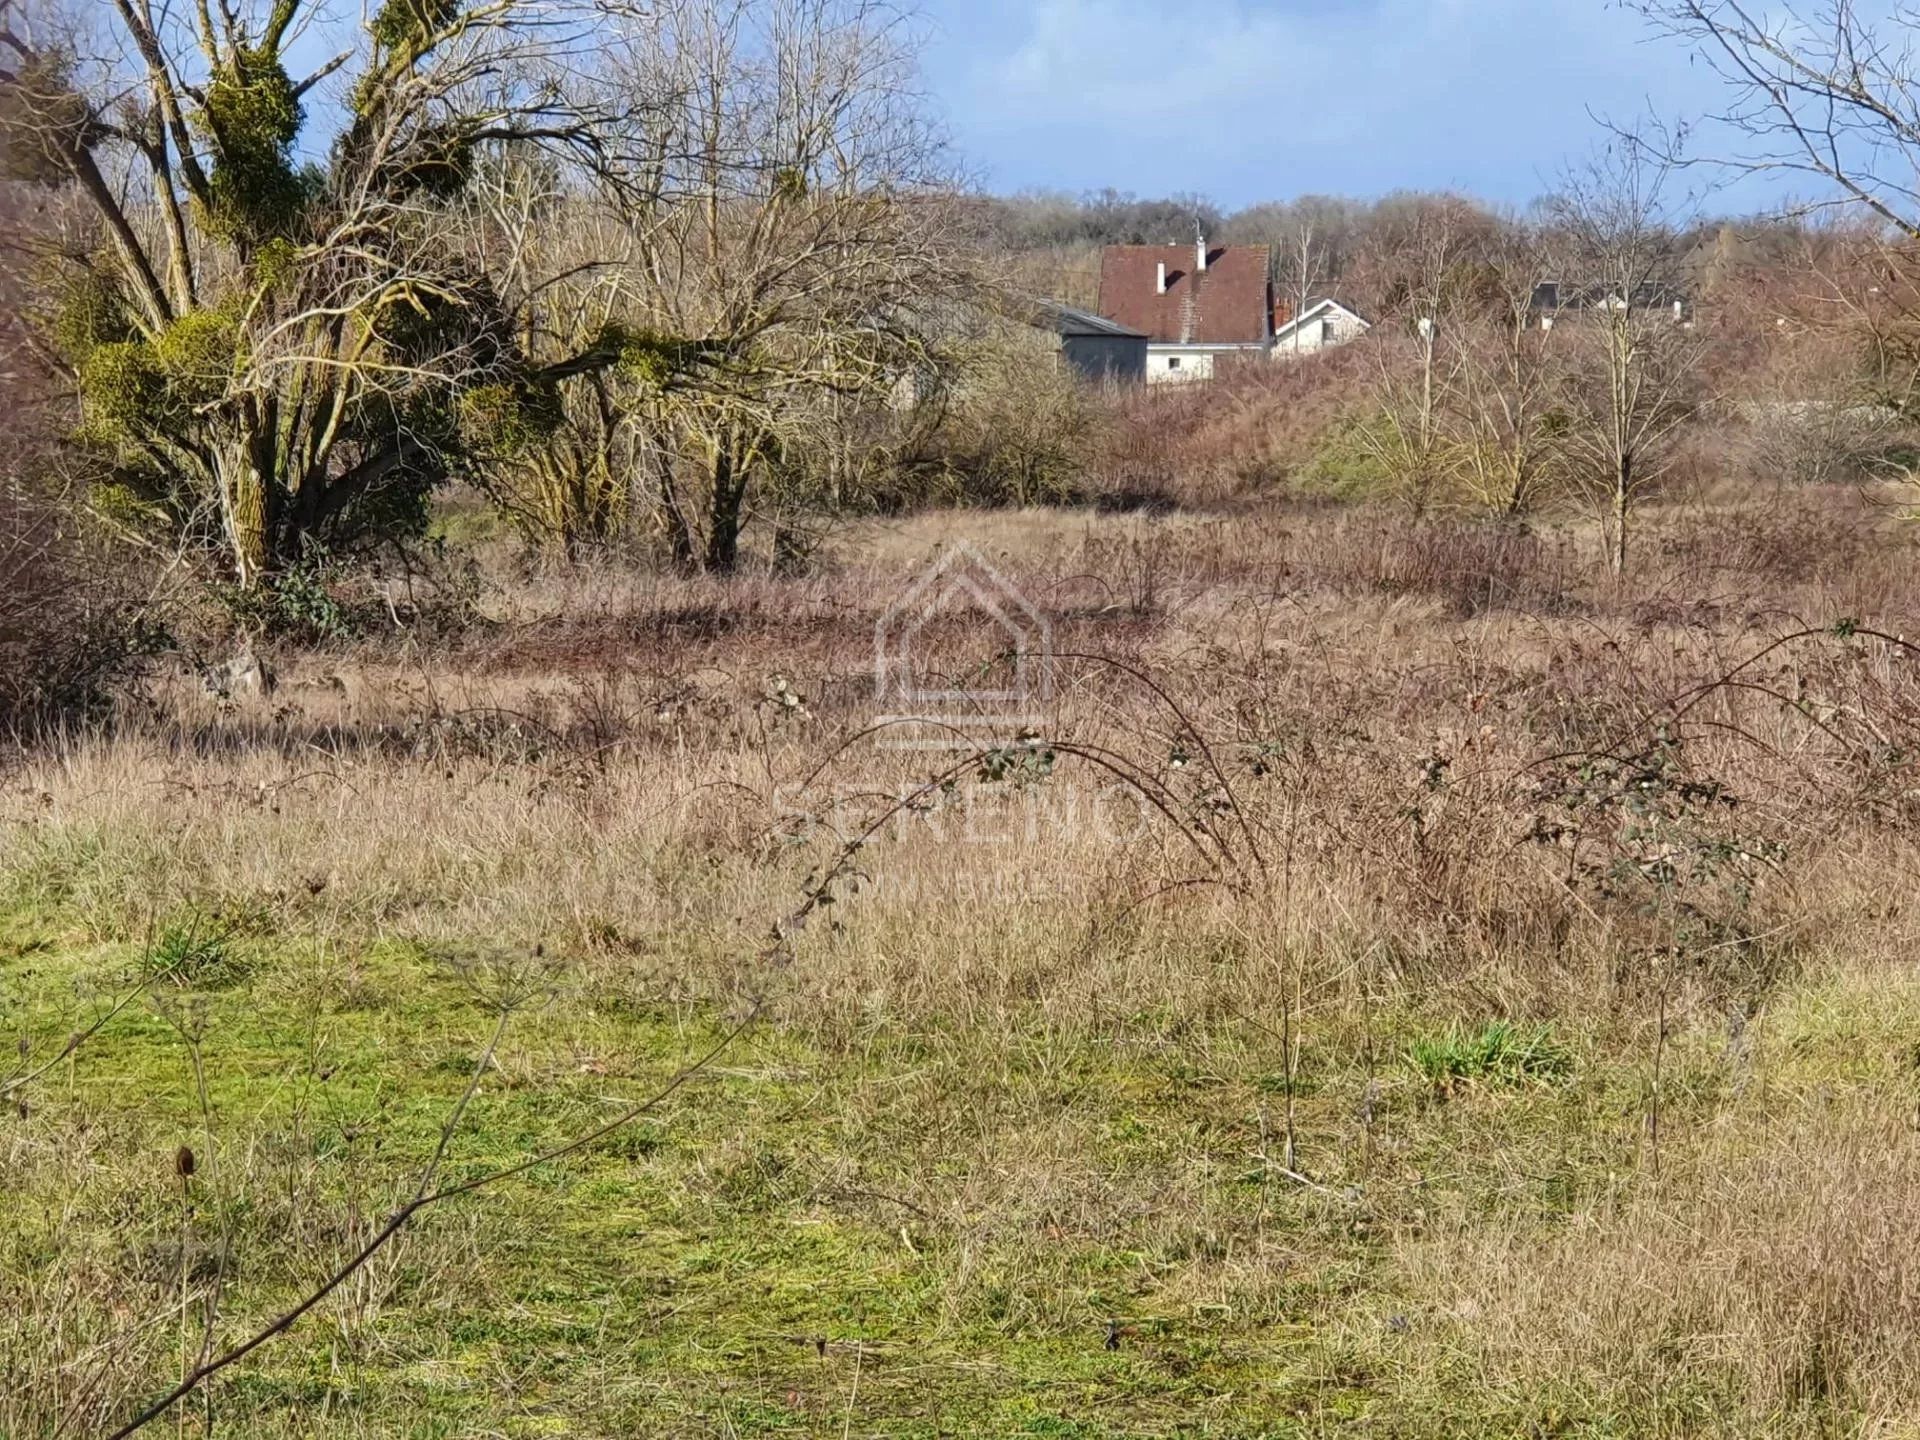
x=1323, y=330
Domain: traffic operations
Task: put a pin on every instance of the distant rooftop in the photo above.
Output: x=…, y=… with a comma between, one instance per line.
x=1070, y=321
x=1166, y=292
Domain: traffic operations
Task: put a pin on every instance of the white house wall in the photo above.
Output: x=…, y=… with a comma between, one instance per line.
x=1323, y=332
x=1196, y=361
x=1173, y=365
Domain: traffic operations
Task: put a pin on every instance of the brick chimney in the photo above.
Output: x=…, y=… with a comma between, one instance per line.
x=1160, y=285
x=1200, y=255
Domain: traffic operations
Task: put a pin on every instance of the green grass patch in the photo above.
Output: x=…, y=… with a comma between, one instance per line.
x=952, y=1230
x=1497, y=1053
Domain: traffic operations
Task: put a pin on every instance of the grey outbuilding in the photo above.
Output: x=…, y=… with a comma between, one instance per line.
x=1099, y=349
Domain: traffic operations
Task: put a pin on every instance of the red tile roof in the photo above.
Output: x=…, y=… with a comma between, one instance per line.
x=1230, y=303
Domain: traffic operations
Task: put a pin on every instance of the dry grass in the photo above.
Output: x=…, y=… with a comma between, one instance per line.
x=1061, y=1064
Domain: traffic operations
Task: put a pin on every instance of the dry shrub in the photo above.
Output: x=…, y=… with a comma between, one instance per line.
x=1773, y=1286
x=68, y=628
x=1791, y=539
x=1473, y=568
x=1020, y=429
x=1818, y=442
x=1811, y=420
x=1253, y=424
x=1819, y=553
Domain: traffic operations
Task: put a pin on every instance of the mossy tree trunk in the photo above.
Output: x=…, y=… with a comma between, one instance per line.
x=725, y=513
x=273, y=358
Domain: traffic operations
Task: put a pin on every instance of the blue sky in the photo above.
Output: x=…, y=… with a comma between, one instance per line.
x=1245, y=100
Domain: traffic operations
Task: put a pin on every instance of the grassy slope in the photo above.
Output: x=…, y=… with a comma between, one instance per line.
x=680, y=1278
x=967, y=1148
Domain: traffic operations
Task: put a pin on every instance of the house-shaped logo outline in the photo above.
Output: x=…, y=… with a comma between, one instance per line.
x=959, y=580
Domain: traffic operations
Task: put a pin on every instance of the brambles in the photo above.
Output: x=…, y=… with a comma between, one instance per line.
x=1644, y=834
x=510, y=996
x=297, y=606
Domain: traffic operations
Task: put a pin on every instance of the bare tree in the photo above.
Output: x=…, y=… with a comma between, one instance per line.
x=576, y=477
x=1300, y=269
x=811, y=276
x=1818, y=90
x=1420, y=356
x=1636, y=349
x=1507, y=406
x=1828, y=91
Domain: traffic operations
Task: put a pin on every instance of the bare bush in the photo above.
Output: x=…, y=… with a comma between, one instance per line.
x=1253, y=426
x=1813, y=418
x=71, y=621
x=1018, y=428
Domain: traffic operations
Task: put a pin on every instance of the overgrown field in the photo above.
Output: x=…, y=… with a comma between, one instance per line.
x=1410, y=985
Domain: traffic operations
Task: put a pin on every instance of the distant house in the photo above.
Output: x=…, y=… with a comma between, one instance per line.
x=1195, y=304
x=1098, y=349
x=1552, y=299
x=1321, y=326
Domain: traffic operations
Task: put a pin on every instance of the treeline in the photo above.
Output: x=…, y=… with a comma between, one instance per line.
x=1353, y=246
x=1583, y=357
x=1581, y=361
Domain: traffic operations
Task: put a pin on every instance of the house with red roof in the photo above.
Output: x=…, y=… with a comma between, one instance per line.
x=1198, y=305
